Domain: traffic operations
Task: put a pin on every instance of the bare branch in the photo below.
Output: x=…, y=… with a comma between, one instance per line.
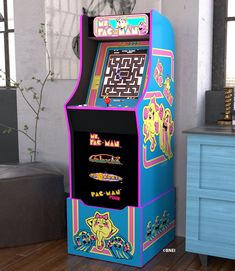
x=17, y=130
x=26, y=100
x=17, y=85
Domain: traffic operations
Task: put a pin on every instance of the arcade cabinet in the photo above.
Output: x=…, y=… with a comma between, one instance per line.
x=121, y=131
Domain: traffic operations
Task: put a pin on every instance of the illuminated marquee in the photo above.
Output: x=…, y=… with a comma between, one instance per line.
x=127, y=25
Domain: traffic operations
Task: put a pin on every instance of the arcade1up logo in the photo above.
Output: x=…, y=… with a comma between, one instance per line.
x=95, y=140
x=125, y=25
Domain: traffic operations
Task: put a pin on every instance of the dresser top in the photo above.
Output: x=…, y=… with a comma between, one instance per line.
x=211, y=130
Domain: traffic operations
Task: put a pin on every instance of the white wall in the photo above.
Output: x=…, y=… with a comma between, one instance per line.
x=31, y=61
x=204, y=61
x=192, y=22
x=146, y=5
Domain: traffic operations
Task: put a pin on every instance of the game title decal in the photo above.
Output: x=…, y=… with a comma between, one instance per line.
x=95, y=140
x=111, y=194
x=105, y=159
x=124, y=25
x=105, y=177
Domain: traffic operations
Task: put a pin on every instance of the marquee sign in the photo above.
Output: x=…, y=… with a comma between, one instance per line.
x=124, y=25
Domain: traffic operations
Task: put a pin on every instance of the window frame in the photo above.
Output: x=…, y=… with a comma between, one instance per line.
x=5, y=33
x=228, y=19
x=220, y=21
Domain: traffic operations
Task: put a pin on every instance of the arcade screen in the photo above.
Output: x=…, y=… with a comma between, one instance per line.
x=123, y=73
x=119, y=72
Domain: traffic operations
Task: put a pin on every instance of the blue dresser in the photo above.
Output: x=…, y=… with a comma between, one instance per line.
x=210, y=211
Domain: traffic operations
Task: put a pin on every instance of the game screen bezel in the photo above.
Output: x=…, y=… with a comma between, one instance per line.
x=122, y=52
x=95, y=97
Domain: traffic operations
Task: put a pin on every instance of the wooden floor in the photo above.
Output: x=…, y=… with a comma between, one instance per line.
x=53, y=256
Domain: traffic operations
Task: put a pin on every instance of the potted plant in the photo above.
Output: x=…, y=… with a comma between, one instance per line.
x=33, y=98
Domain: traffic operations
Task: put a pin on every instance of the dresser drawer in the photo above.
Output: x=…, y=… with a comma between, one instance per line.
x=211, y=162
x=216, y=221
x=210, y=226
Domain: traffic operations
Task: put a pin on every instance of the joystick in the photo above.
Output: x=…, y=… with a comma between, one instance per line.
x=107, y=100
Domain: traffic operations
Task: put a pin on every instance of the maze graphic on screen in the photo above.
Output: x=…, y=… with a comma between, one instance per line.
x=123, y=74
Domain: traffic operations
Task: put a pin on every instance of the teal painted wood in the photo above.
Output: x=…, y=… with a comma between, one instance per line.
x=210, y=211
x=210, y=156
x=211, y=248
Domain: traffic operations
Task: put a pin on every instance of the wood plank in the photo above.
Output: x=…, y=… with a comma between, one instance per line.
x=195, y=265
x=53, y=256
x=183, y=263
x=39, y=257
x=163, y=261
x=9, y=255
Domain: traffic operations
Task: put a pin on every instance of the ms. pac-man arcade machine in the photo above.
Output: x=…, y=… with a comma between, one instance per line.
x=121, y=132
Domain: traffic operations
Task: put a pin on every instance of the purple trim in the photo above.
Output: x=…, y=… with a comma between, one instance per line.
x=69, y=152
x=108, y=208
x=80, y=64
x=129, y=38
x=141, y=236
x=136, y=113
x=100, y=108
x=158, y=197
x=66, y=115
x=139, y=158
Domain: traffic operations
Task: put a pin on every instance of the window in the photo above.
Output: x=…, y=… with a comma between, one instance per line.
x=7, y=42
x=62, y=21
x=230, y=45
x=223, y=62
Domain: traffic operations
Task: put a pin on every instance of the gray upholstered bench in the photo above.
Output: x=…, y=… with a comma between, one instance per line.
x=32, y=204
